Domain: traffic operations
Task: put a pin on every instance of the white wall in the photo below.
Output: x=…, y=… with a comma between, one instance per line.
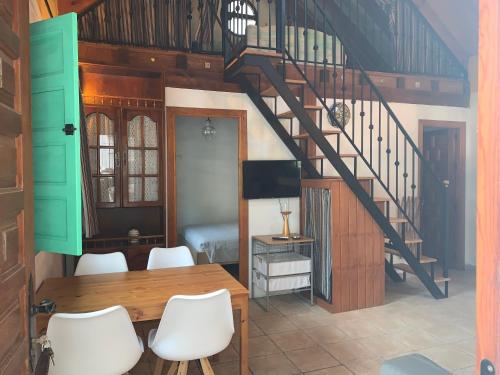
x=263, y=144
x=207, y=172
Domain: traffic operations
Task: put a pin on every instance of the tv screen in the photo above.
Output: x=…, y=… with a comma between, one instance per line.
x=271, y=179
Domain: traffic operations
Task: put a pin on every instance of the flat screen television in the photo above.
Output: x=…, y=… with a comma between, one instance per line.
x=271, y=179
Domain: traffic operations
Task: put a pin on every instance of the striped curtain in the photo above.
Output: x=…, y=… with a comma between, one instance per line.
x=318, y=225
x=89, y=212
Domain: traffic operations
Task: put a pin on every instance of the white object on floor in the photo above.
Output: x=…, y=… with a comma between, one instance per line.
x=282, y=263
x=161, y=257
x=94, y=264
x=98, y=343
x=193, y=327
x=277, y=284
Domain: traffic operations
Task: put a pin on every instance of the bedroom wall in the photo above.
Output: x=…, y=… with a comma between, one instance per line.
x=207, y=172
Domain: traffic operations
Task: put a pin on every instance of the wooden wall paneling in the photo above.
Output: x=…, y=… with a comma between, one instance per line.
x=206, y=72
x=357, y=251
x=16, y=192
x=337, y=250
x=361, y=254
x=7, y=82
x=488, y=197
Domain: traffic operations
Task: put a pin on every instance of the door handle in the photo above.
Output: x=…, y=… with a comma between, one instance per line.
x=69, y=129
x=46, y=306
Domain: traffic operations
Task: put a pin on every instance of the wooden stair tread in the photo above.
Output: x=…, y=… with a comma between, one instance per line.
x=290, y=114
x=423, y=259
x=290, y=81
x=406, y=268
x=272, y=92
x=306, y=135
x=409, y=241
x=319, y=157
x=426, y=260
x=397, y=220
x=380, y=199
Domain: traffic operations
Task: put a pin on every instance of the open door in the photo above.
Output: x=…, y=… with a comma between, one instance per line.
x=16, y=187
x=56, y=141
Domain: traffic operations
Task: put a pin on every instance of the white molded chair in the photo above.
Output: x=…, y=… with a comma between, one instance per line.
x=161, y=257
x=94, y=264
x=192, y=328
x=99, y=343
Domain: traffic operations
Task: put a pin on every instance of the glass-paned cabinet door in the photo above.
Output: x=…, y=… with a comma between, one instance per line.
x=142, y=167
x=102, y=134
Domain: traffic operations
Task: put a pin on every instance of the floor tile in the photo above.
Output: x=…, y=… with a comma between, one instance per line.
x=311, y=359
x=292, y=340
x=261, y=346
x=276, y=364
x=326, y=334
x=346, y=350
x=449, y=357
x=337, y=370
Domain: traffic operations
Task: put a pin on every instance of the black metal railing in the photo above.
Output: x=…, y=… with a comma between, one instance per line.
x=184, y=25
x=402, y=35
x=308, y=47
x=393, y=30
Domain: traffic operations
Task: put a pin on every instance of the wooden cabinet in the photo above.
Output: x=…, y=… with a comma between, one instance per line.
x=125, y=149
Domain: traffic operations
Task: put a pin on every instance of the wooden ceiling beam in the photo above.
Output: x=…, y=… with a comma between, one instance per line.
x=77, y=6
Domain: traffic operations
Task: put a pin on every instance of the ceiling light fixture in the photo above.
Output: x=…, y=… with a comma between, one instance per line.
x=208, y=130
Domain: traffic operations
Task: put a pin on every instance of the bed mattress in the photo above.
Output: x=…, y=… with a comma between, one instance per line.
x=219, y=241
x=281, y=283
x=282, y=264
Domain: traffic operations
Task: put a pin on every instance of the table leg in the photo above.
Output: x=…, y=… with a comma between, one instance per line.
x=244, y=337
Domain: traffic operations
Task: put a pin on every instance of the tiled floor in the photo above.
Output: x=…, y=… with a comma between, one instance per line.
x=295, y=338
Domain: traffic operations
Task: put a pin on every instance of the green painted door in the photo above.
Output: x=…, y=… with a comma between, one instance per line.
x=56, y=155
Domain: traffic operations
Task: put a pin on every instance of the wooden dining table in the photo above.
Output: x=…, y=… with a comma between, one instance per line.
x=144, y=294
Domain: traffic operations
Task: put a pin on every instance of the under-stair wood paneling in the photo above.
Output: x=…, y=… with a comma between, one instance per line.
x=488, y=192
x=357, y=250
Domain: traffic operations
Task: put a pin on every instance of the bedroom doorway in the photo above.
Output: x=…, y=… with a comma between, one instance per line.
x=206, y=211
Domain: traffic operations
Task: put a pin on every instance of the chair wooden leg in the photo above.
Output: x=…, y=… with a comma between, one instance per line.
x=158, y=366
x=173, y=368
x=183, y=368
x=205, y=365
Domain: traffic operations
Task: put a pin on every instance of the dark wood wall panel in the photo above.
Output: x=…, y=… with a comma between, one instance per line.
x=130, y=86
x=357, y=250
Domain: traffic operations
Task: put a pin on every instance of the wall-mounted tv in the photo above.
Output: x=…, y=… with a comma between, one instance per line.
x=271, y=179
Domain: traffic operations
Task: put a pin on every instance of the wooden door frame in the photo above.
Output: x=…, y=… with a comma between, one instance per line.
x=488, y=199
x=461, y=126
x=241, y=117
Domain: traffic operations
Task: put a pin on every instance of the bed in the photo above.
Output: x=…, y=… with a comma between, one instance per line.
x=213, y=243
x=294, y=36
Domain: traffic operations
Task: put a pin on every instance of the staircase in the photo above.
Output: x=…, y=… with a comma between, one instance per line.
x=301, y=75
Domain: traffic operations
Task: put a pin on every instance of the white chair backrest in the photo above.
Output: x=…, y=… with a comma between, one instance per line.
x=94, y=264
x=161, y=257
x=194, y=327
x=98, y=343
